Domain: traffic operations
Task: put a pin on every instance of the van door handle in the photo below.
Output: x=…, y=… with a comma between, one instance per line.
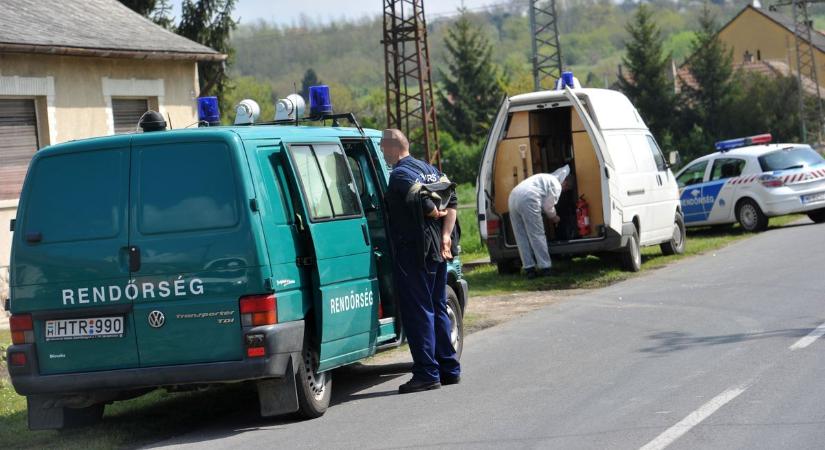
x=134, y=259
x=635, y=192
x=659, y=179
x=366, y=234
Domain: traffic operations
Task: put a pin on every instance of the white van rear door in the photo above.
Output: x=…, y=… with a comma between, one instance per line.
x=598, y=143
x=485, y=173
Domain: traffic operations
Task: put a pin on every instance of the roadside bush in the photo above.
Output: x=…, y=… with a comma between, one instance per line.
x=459, y=160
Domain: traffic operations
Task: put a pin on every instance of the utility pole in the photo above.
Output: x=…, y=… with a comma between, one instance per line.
x=410, y=101
x=805, y=68
x=546, y=49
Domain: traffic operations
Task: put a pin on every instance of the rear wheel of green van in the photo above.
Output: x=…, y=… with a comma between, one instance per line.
x=314, y=389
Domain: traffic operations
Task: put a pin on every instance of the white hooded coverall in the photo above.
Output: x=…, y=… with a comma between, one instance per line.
x=528, y=199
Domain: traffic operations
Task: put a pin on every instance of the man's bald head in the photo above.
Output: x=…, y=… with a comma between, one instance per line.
x=394, y=145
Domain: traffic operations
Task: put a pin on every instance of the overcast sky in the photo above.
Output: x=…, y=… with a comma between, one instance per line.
x=287, y=12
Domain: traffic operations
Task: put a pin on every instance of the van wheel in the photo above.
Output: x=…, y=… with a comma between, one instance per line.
x=314, y=389
x=750, y=216
x=456, y=321
x=508, y=266
x=632, y=254
x=676, y=244
x=818, y=216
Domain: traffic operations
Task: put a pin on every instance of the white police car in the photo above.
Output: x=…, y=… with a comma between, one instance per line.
x=749, y=180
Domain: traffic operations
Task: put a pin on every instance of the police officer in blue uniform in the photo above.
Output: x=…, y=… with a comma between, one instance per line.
x=421, y=276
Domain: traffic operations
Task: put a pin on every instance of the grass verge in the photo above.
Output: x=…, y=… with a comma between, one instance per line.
x=593, y=272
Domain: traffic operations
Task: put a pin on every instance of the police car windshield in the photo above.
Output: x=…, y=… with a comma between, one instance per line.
x=790, y=158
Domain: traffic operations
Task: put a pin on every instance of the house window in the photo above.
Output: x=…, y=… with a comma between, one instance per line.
x=126, y=113
x=18, y=142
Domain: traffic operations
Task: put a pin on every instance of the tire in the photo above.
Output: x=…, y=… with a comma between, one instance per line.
x=750, y=216
x=314, y=389
x=508, y=266
x=818, y=216
x=632, y=254
x=456, y=321
x=676, y=244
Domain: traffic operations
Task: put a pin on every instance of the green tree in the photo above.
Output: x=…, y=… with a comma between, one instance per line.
x=647, y=85
x=210, y=22
x=156, y=10
x=711, y=65
x=310, y=79
x=470, y=91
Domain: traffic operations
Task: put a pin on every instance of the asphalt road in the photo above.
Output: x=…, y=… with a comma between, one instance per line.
x=714, y=352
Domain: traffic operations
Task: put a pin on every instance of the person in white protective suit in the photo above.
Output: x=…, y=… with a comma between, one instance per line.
x=536, y=194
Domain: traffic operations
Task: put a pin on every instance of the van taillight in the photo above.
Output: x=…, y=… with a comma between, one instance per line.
x=258, y=310
x=493, y=226
x=22, y=329
x=17, y=359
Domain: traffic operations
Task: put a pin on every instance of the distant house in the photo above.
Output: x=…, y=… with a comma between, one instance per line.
x=72, y=69
x=763, y=41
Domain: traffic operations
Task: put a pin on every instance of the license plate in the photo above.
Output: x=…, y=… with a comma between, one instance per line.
x=812, y=198
x=90, y=328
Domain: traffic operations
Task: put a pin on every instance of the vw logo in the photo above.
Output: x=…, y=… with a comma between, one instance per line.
x=156, y=319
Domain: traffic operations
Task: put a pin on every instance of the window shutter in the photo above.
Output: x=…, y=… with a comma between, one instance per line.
x=127, y=113
x=18, y=142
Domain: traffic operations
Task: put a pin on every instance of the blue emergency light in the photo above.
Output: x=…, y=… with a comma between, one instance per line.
x=566, y=79
x=731, y=144
x=208, y=110
x=319, y=101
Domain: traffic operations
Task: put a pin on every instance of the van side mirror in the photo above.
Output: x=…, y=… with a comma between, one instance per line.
x=674, y=158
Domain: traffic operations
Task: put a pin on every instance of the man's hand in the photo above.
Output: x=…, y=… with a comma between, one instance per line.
x=555, y=219
x=437, y=214
x=446, y=247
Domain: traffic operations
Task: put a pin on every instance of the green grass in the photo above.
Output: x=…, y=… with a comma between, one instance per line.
x=471, y=246
x=593, y=272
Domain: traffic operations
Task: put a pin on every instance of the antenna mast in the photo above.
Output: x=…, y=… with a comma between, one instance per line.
x=410, y=101
x=546, y=49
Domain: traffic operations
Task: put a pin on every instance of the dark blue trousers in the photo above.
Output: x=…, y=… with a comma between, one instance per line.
x=422, y=295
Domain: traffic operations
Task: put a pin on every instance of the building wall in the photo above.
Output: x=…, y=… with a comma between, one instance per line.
x=759, y=35
x=73, y=100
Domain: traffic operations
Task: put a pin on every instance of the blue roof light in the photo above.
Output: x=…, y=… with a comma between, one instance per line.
x=319, y=101
x=208, y=110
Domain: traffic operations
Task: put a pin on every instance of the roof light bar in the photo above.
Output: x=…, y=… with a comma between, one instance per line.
x=731, y=144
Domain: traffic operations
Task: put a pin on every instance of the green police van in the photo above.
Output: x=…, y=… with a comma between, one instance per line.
x=169, y=259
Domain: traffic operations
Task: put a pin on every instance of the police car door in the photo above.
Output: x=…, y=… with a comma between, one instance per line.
x=720, y=187
x=346, y=288
x=690, y=192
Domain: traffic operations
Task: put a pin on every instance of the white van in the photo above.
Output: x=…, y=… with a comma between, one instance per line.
x=618, y=170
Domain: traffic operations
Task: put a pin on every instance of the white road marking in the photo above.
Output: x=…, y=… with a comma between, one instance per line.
x=809, y=339
x=693, y=419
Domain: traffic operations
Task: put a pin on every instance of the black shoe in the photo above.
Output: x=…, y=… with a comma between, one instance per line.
x=531, y=273
x=450, y=379
x=418, y=386
x=545, y=272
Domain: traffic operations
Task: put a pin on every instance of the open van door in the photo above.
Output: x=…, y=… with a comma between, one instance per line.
x=485, y=172
x=598, y=144
x=345, y=283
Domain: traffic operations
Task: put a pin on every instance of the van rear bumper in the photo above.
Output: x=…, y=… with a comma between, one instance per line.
x=612, y=241
x=282, y=342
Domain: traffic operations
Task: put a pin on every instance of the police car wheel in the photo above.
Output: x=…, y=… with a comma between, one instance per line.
x=456, y=321
x=632, y=254
x=750, y=216
x=676, y=244
x=314, y=389
x=818, y=216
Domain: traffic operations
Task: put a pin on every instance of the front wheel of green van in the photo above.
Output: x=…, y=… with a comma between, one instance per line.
x=456, y=321
x=314, y=388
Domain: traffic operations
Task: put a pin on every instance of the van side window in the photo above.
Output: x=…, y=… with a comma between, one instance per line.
x=186, y=187
x=75, y=198
x=726, y=168
x=329, y=189
x=657, y=154
x=694, y=174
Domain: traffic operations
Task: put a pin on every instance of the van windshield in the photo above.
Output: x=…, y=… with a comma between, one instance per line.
x=790, y=158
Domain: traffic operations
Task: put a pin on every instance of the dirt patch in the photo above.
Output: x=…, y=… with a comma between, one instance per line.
x=488, y=311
